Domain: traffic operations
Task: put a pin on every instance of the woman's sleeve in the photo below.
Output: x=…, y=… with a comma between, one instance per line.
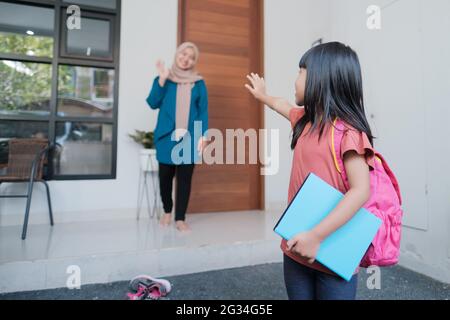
x=203, y=105
x=156, y=96
x=354, y=140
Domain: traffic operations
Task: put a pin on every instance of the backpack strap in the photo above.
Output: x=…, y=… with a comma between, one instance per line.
x=337, y=133
x=390, y=174
x=333, y=146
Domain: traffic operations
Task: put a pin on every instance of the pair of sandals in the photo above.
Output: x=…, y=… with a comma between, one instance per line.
x=147, y=288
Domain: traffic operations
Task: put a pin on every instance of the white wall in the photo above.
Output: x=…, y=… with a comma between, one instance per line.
x=291, y=26
x=407, y=85
x=148, y=32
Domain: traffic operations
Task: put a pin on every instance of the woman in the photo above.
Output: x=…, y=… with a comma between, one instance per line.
x=181, y=96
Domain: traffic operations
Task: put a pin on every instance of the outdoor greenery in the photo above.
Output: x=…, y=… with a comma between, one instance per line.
x=37, y=46
x=25, y=86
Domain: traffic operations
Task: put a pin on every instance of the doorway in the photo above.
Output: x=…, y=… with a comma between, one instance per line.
x=229, y=34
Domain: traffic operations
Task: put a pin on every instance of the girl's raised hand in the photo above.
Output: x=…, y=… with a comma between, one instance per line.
x=258, y=90
x=258, y=86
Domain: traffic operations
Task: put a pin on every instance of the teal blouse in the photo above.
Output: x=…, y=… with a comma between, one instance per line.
x=164, y=99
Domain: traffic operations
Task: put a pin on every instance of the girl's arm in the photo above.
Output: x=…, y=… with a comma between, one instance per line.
x=307, y=244
x=258, y=90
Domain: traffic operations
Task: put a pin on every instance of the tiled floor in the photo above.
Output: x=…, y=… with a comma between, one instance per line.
x=113, y=250
x=102, y=237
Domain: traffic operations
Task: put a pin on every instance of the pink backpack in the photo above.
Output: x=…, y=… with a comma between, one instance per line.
x=385, y=203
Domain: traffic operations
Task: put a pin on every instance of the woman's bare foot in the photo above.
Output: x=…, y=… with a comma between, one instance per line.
x=182, y=226
x=165, y=220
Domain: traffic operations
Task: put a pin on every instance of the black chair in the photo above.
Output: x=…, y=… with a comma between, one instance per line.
x=26, y=159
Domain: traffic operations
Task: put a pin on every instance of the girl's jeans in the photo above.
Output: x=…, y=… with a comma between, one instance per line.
x=303, y=283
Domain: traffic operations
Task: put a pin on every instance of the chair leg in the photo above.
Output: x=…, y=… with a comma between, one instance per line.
x=49, y=202
x=27, y=210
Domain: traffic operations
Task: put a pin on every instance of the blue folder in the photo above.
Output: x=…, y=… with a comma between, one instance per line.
x=343, y=250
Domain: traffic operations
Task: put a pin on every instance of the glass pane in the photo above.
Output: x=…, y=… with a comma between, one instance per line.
x=84, y=148
x=85, y=92
x=92, y=40
x=18, y=129
x=25, y=87
x=108, y=4
x=26, y=30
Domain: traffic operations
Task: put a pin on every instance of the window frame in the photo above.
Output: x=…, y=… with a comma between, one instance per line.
x=85, y=7
x=58, y=59
x=89, y=15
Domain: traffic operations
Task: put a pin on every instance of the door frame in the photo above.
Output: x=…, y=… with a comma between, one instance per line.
x=257, y=65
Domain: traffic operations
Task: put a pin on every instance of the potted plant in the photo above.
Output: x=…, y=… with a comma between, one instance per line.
x=148, y=153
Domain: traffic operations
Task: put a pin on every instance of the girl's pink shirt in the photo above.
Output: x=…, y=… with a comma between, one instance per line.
x=312, y=155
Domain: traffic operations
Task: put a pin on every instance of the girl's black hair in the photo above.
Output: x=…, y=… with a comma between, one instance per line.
x=333, y=89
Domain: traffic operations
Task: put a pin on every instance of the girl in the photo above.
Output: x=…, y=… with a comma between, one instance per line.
x=180, y=94
x=329, y=86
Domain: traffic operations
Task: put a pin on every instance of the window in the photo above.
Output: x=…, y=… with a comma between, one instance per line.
x=83, y=148
x=26, y=30
x=25, y=88
x=92, y=41
x=85, y=92
x=18, y=129
x=61, y=84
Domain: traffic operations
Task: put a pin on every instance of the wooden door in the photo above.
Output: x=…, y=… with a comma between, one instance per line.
x=229, y=36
